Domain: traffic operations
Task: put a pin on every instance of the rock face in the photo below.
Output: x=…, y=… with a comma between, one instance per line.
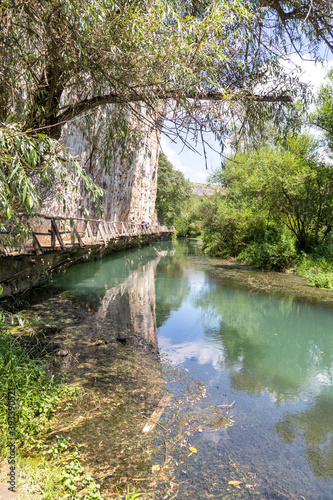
x=120, y=154
x=205, y=189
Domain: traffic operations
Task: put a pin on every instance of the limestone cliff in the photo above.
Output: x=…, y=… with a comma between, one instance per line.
x=120, y=153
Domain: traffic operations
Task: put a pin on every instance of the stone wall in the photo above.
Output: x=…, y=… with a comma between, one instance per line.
x=120, y=153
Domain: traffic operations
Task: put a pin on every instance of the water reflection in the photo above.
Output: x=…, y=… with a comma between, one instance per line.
x=273, y=355
x=315, y=425
x=263, y=342
x=120, y=290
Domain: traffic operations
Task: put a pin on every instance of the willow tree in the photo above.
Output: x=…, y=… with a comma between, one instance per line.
x=197, y=66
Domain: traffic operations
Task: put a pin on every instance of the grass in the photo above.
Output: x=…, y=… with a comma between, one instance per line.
x=317, y=269
x=32, y=395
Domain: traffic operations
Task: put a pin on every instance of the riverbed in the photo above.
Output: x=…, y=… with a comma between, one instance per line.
x=238, y=361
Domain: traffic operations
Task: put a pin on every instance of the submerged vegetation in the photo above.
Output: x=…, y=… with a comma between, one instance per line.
x=82, y=435
x=48, y=469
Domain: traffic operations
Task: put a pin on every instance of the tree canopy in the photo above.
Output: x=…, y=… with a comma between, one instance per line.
x=212, y=61
x=288, y=184
x=323, y=116
x=195, y=66
x=173, y=191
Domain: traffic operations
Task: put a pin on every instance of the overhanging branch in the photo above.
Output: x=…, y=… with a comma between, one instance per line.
x=77, y=109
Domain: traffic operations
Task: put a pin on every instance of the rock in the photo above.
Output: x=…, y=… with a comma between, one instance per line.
x=62, y=353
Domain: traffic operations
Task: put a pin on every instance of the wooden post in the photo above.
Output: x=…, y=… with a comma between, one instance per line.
x=76, y=232
x=106, y=230
x=57, y=233
x=89, y=231
x=53, y=242
x=36, y=244
x=100, y=230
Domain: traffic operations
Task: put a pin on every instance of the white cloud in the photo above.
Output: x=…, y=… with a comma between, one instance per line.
x=174, y=157
x=191, y=164
x=312, y=73
x=202, y=351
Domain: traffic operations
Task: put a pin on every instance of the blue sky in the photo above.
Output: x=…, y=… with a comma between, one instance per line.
x=192, y=165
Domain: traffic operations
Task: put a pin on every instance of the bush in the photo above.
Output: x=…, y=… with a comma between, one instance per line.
x=275, y=251
x=318, y=269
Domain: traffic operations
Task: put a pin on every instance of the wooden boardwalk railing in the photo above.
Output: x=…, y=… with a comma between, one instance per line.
x=53, y=233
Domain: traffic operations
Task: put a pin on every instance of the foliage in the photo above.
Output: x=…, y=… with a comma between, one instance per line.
x=277, y=201
x=60, y=472
x=37, y=392
x=288, y=183
x=228, y=228
x=62, y=58
x=189, y=221
x=30, y=164
x=317, y=267
x=323, y=116
x=36, y=395
x=275, y=250
x=172, y=191
x=197, y=63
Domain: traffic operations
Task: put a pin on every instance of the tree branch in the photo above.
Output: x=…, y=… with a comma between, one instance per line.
x=74, y=110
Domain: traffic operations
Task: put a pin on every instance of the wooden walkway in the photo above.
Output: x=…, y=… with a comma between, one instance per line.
x=61, y=233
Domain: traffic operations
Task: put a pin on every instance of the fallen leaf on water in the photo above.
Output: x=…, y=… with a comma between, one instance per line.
x=192, y=449
x=235, y=483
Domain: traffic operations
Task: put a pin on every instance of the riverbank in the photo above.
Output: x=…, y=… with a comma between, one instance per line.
x=282, y=284
x=81, y=419
x=21, y=272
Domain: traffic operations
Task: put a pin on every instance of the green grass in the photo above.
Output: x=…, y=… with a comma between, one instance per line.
x=35, y=394
x=49, y=470
x=317, y=269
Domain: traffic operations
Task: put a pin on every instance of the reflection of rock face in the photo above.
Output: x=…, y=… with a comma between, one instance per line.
x=125, y=168
x=142, y=301
x=131, y=305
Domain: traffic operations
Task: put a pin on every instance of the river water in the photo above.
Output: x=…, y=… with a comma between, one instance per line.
x=271, y=357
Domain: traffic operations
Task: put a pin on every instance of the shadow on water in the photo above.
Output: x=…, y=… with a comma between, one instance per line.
x=153, y=328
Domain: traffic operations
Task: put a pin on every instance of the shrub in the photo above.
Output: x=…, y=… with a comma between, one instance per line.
x=274, y=251
x=318, y=269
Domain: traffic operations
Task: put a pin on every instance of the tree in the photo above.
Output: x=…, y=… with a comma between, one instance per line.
x=30, y=163
x=323, y=116
x=203, y=65
x=286, y=183
x=62, y=58
x=172, y=191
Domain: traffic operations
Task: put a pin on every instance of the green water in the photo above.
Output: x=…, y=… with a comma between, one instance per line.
x=272, y=356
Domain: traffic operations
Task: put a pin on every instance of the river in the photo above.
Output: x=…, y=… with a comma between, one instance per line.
x=270, y=358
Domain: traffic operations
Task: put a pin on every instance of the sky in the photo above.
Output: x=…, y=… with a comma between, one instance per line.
x=192, y=165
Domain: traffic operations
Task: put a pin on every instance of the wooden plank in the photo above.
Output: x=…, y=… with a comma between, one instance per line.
x=57, y=233
x=152, y=421
x=36, y=244
x=89, y=231
x=78, y=237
